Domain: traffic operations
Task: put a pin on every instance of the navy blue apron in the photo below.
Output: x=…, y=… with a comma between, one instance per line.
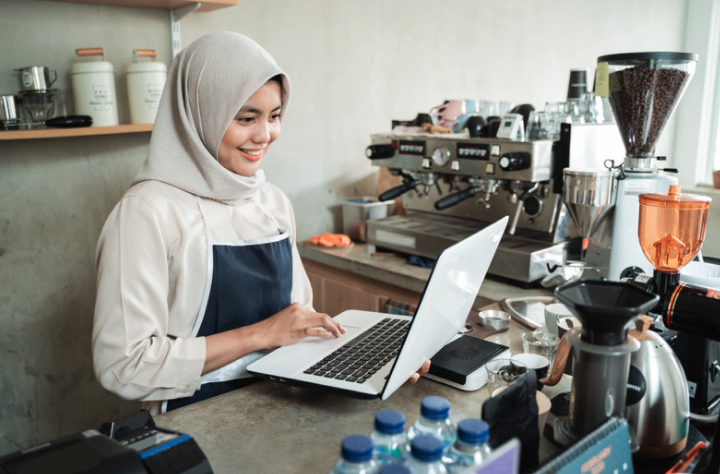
x=250, y=281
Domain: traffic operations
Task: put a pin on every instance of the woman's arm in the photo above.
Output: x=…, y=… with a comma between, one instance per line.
x=133, y=356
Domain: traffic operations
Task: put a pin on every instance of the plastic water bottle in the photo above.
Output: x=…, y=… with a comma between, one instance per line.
x=471, y=447
x=426, y=452
x=434, y=420
x=395, y=469
x=357, y=456
x=389, y=438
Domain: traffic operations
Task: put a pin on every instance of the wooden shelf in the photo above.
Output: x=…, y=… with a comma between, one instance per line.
x=205, y=5
x=73, y=132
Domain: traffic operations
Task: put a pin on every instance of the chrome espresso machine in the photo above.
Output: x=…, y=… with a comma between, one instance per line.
x=453, y=185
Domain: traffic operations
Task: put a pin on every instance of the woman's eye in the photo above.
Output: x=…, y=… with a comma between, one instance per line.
x=244, y=119
x=276, y=116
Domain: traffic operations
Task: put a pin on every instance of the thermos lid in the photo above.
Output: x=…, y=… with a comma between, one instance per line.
x=145, y=66
x=150, y=66
x=86, y=67
x=675, y=200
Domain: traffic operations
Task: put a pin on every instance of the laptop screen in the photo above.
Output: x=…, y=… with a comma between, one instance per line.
x=448, y=297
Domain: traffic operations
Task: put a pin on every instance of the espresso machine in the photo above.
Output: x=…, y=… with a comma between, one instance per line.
x=454, y=185
x=644, y=90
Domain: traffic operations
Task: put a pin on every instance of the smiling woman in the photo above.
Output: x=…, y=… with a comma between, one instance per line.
x=198, y=269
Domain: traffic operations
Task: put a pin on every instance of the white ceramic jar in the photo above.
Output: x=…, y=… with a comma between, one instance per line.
x=93, y=85
x=145, y=82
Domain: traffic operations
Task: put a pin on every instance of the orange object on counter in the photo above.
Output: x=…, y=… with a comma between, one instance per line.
x=331, y=240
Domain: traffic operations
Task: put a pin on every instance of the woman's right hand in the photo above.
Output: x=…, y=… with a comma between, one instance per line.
x=295, y=323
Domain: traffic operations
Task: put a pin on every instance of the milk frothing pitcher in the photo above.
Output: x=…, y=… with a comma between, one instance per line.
x=36, y=78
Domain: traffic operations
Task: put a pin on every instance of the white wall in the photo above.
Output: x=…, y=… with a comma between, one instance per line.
x=355, y=66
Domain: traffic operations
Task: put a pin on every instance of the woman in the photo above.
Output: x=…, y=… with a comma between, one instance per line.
x=198, y=270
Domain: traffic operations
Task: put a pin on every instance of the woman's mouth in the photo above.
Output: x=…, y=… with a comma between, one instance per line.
x=252, y=155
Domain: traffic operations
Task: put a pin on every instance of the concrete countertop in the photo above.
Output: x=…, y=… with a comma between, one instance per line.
x=394, y=269
x=270, y=427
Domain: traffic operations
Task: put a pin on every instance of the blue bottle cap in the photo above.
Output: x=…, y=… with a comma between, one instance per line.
x=357, y=448
x=473, y=431
x=435, y=408
x=395, y=469
x=427, y=448
x=390, y=422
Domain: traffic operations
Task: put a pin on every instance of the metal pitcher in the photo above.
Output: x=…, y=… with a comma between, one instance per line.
x=658, y=402
x=36, y=78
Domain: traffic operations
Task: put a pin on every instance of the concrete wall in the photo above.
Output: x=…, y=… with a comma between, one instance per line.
x=354, y=65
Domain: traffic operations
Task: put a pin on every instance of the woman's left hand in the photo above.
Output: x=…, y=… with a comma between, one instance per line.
x=416, y=376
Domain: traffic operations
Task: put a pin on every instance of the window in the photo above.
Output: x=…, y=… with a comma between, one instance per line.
x=697, y=139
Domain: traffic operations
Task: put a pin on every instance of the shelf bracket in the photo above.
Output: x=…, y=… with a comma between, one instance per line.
x=175, y=17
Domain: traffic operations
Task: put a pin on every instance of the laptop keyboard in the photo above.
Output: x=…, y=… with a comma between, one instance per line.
x=362, y=357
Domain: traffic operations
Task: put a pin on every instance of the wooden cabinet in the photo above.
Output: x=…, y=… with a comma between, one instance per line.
x=335, y=291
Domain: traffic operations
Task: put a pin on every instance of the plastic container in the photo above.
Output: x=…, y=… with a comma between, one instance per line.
x=426, y=456
x=357, y=456
x=358, y=210
x=389, y=438
x=672, y=228
x=471, y=447
x=93, y=85
x=145, y=82
x=434, y=420
x=701, y=273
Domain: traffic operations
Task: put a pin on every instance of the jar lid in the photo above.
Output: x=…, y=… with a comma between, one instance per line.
x=148, y=66
x=674, y=199
x=84, y=67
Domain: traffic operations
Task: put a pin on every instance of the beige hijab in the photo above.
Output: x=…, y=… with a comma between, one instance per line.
x=208, y=83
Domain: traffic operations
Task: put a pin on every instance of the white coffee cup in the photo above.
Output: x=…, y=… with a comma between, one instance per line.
x=553, y=312
x=540, y=364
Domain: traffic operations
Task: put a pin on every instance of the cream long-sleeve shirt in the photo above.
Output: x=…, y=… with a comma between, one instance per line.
x=152, y=273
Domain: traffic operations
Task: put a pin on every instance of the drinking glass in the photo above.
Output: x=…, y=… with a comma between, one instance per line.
x=502, y=372
x=542, y=343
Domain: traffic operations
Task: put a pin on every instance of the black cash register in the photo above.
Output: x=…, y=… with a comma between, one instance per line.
x=131, y=445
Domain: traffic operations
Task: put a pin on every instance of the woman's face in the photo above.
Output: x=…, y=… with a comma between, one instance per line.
x=251, y=132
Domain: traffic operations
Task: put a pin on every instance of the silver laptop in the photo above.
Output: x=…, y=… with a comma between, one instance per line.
x=379, y=352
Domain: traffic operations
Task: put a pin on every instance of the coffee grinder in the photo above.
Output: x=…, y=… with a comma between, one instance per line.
x=602, y=350
x=644, y=90
x=589, y=197
x=671, y=232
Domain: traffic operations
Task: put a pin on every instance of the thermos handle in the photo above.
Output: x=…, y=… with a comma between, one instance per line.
x=144, y=53
x=82, y=52
x=561, y=356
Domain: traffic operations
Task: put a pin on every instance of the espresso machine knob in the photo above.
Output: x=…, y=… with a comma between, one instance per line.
x=514, y=161
x=376, y=152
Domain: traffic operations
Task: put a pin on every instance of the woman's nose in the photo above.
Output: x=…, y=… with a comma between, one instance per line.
x=262, y=132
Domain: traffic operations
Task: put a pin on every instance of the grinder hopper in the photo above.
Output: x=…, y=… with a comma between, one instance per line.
x=644, y=90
